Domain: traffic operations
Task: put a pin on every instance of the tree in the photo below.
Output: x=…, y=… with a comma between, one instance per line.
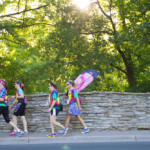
x=50, y=40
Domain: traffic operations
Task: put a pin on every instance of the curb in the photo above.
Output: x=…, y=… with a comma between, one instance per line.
x=74, y=139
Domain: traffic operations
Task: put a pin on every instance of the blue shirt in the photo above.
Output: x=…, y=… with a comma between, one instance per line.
x=2, y=93
x=20, y=91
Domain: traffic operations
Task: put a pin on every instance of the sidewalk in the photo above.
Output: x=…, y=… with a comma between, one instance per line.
x=77, y=137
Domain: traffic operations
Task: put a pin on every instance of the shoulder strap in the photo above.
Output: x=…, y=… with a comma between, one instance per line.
x=72, y=92
x=5, y=98
x=17, y=93
x=58, y=100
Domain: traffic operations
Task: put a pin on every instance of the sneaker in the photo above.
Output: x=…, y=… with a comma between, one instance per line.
x=25, y=133
x=61, y=131
x=51, y=135
x=85, y=130
x=22, y=133
x=13, y=133
x=19, y=133
x=65, y=131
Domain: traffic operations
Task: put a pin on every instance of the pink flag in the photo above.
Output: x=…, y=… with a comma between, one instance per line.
x=84, y=79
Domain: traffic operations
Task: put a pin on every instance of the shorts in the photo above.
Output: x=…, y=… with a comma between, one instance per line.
x=74, y=109
x=20, y=110
x=5, y=112
x=55, y=112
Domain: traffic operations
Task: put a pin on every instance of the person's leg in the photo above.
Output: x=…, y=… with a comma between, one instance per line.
x=56, y=123
x=23, y=118
x=52, y=125
x=19, y=132
x=85, y=129
x=6, y=117
x=14, y=120
x=52, y=113
x=14, y=117
x=67, y=120
x=13, y=125
x=16, y=114
x=67, y=123
x=81, y=120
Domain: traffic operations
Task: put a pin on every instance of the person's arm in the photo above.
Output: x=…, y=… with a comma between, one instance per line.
x=65, y=95
x=20, y=96
x=54, y=96
x=77, y=99
x=1, y=99
x=53, y=104
x=12, y=105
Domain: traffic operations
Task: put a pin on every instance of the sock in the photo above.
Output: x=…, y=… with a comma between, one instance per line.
x=25, y=130
x=18, y=130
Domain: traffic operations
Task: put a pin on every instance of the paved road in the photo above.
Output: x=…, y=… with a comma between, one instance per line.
x=81, y=146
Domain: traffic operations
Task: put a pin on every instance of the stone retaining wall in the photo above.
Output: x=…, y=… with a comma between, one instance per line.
x=101, y=111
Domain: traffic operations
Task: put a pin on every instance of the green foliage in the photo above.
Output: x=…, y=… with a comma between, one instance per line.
x=57, y=41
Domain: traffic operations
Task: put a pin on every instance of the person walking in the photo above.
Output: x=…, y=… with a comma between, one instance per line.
x=20, y=107
x=74, y=109
x=4, y=108
x=54, y=108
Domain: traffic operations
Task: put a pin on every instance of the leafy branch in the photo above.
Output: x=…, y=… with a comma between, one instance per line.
x=9, y=15
x=111, y=64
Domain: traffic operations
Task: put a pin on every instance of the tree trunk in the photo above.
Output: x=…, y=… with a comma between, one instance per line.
x=131, y=80
x=129, y=69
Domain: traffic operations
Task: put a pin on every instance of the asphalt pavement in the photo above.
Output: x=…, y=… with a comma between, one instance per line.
x=81, y=146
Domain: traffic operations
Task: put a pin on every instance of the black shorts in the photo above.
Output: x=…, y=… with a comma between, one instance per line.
x=55, y=112
x=5, y=112
x=20, y=110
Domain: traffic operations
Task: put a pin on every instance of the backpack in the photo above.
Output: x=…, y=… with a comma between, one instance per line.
x=26, y=100
x=61, y=107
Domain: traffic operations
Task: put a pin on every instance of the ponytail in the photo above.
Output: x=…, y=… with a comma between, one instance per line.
x=54, y=85
x=20, y=83
x=22, y=86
